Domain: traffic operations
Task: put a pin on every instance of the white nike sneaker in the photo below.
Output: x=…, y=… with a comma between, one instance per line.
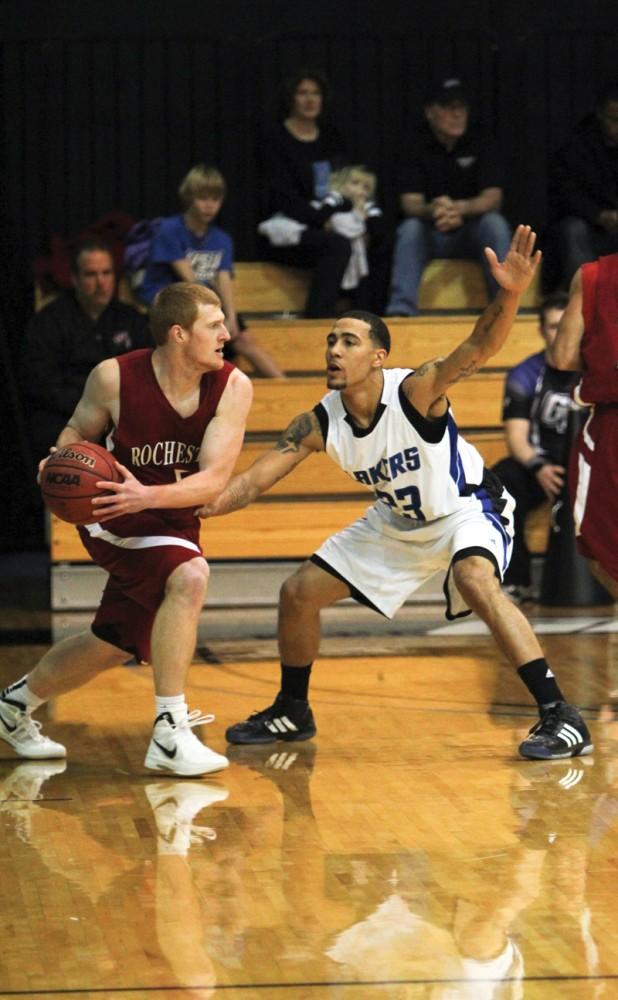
x=23, y=733
x=175, y=748
x=175, y=805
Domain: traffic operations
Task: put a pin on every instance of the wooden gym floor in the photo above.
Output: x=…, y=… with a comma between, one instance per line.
x=406, y=853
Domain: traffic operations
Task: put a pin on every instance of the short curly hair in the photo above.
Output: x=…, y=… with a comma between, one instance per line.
x=178, y=303
x=378, y=330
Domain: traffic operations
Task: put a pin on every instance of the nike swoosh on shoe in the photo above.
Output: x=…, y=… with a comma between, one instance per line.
x=10, y=729
x=168, y=753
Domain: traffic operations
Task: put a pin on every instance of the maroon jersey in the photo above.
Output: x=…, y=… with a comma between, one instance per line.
x=593, y=485
x=599, y=345
x=593, y=469
x=157, y=444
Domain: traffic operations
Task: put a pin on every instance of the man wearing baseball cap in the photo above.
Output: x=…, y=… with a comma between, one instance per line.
x=451, y=195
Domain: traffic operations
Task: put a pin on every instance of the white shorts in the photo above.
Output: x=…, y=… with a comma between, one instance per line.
x=384, y=563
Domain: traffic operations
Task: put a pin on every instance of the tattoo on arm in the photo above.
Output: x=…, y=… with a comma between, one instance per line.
x=488, y=321
x=464, y=372
x=485, y=328
x=483, y=331
x=238, y=496
x=424, y=368
x=297, y=431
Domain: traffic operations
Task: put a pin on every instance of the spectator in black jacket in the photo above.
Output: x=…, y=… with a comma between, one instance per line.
x=584, y=189
x=68, y=337
x=301, y=152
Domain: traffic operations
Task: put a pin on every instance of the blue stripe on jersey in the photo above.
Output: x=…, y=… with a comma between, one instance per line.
x=486, y=502
x=455, y=466
x=506, y=538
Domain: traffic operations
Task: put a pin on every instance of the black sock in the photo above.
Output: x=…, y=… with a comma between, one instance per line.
x=541, y=683
x=295, y=681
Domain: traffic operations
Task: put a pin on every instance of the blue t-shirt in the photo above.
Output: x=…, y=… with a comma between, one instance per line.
x=207, y=255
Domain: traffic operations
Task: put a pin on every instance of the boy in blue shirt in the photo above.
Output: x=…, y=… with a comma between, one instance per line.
x=188, y=247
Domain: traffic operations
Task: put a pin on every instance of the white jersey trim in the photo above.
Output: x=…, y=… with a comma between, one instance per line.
x=581, y=494
x=134, y=542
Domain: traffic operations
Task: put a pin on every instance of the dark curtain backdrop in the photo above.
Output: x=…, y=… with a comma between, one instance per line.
x=106, y=105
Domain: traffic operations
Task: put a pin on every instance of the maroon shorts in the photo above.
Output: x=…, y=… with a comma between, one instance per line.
x=593, y=485
x=135, y=589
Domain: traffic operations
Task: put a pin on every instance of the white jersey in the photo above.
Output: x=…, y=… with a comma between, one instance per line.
x=419, y=469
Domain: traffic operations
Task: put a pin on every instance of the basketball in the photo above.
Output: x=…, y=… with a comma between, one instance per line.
x=69, y=480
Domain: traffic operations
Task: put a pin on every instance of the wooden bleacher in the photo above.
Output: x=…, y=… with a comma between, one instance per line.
x=262, y=287
x=477, y=401
x=298, y=345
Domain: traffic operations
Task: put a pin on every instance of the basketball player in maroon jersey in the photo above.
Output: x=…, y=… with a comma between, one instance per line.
x=177, y=416
x=587, y=341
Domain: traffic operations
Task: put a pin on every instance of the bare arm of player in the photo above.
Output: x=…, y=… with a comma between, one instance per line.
x=220, y=447
x=98, y=404
x=300, y=439
x=427, y=386
x=565, y=350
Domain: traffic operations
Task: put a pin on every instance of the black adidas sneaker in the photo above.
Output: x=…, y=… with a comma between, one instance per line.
x=288, y=719
x=560, y=732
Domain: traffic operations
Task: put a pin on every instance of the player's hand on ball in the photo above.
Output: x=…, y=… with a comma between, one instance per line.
x=206, y=510
x=127, y=497
x=214, y=508
x=43, y=463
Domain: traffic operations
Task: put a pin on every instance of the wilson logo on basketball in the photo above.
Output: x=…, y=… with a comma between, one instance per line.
x=62, y=479
x=78, y=456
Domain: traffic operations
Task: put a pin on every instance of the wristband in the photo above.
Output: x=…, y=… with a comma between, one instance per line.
x=536, y=463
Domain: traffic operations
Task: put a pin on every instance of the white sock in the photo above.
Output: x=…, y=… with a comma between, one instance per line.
x=21, y=693
x=174, y=704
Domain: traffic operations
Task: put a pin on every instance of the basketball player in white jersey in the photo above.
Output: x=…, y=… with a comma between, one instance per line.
x=436, y=508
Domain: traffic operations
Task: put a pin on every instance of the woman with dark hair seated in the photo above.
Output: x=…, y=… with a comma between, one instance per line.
x=300, y=154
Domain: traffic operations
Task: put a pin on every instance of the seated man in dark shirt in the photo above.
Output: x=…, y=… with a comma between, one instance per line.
x=68, y=337
x=451, y=188
x=537, y=401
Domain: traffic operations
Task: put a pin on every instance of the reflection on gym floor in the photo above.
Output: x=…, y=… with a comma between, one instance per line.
x=406, y=852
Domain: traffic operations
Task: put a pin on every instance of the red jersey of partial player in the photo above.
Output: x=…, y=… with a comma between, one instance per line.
x=593, y=472
x=599, y=346
x=157, y=444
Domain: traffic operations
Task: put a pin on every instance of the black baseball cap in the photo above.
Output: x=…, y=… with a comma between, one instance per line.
x=447, y=90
